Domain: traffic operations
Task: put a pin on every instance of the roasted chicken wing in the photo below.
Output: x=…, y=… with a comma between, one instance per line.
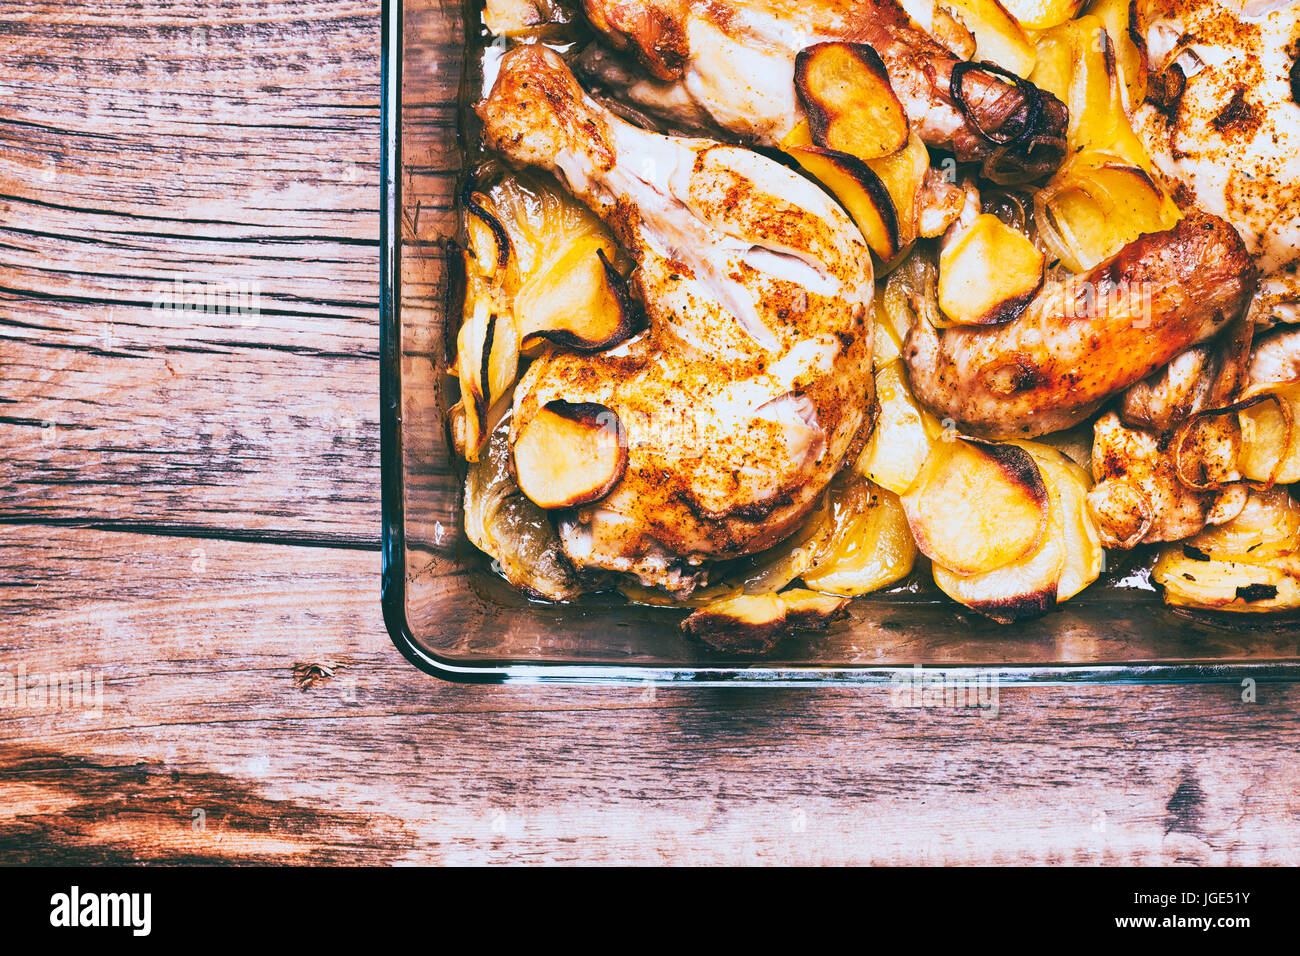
x=1086, y=338
x=752, y=382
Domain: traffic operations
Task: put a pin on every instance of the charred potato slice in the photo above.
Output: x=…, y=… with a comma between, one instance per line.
x=1022, y=589
x=977, y=505
x=1025, y=587
x=1067, y=560
x=570, y=454
x=754, y=623
x=859, y=190
x=988, y=274
x=851, y=108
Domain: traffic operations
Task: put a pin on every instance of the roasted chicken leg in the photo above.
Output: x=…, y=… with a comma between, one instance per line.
x=753, y=381
x=733, y=61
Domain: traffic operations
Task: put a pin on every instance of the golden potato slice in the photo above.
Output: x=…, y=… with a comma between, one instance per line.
x=1054, y=62
x=1270, y=436
x=1098, y=121
x=851, y=108
x=977, y=505
x=902, y=174
x=754, y=623
x=487, y=363
x=1095, y=205
x=859, y=190
x=1191, y=580
x=579, y=302
x=870, y=545
x=1026, y=587
x=989, y=273
x=1120, y=18
x=999, y=37
x=1083, y=553
x=887, y=343
x=570, y=454
x=1266, y=527
x=903, y=435
x=1042, y=14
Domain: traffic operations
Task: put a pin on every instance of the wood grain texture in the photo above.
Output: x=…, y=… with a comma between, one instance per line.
x=230, y=146
x=224, y=141
x=200, y=712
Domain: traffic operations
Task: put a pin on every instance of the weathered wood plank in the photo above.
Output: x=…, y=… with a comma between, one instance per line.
x=229, y=146
x=196, y=642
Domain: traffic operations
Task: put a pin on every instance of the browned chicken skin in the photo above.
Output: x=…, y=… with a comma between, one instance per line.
x=733, y=60
x=745, y=395
x=1087, y=338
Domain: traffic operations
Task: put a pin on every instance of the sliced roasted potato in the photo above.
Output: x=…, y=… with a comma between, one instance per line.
x=1095, y=205
x=1191, y=580
x=1067, y=560
x=887, y=342
x=487, y=362
x=860, y=191
x=977, y=505
x=1106, y=195
x=508, y=527
x=570, y=454
x=989, y=273
x=1249, y=563
x=1098, y=121
x=1266, y=527
x=870, y=545
x=1120, y=18
x=903, y=173
x=1082, y=548
x=754, y=623
x=581, y=302
x=1025, y=587
x=1270, y=436
x=851, y=108
x=999, y=37
x=1042, y=14
x=903, y=435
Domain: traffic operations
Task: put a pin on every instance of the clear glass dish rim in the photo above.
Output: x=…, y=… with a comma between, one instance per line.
x=393, y=544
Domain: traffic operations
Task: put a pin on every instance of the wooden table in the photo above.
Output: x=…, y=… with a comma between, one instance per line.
x=189, y=509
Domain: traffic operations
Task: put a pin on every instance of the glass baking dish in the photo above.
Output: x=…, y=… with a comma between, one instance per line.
x=452, y=616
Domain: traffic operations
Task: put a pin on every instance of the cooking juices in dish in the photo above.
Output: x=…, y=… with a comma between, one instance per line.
x=765, y=304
